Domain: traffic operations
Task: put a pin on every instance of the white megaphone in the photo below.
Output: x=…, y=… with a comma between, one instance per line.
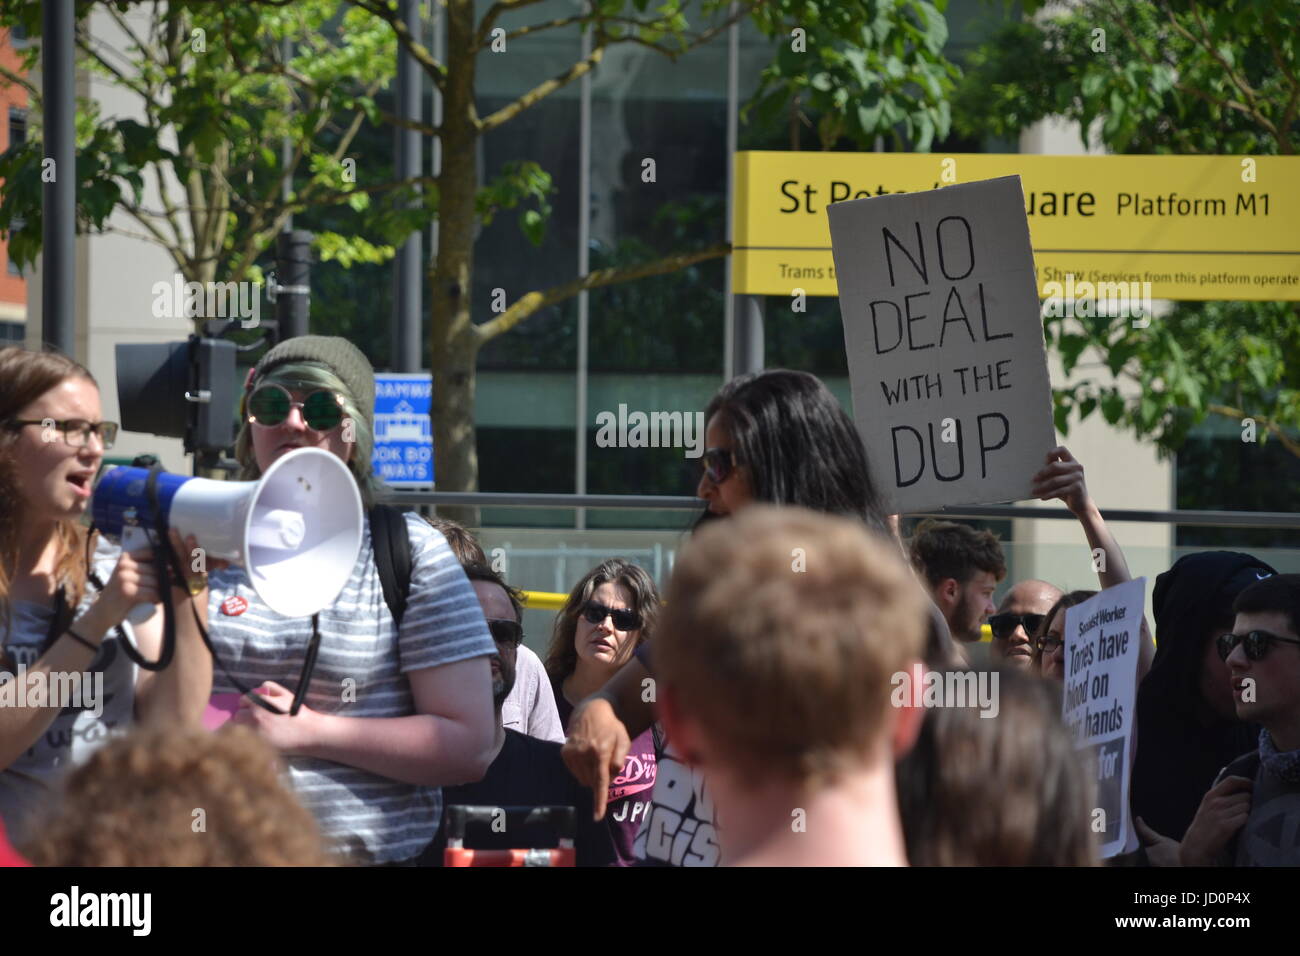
x=296, y=532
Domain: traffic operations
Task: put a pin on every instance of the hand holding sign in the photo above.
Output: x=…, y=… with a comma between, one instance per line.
x=1062, y=478
x=1101, y=657
x=945, y=342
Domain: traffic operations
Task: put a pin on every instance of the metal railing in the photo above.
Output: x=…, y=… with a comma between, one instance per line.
x=493, y=499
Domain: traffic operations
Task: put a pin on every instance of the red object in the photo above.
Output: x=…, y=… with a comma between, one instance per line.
x=565, y=856
x=458, y=816
x=8, y=855
x=234, y=606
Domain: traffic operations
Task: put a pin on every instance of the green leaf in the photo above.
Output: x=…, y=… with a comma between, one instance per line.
x=1112, y=407
x=533, y=225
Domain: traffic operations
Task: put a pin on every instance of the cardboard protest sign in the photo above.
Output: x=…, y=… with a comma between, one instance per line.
x=1103, y=638
x=945, y=343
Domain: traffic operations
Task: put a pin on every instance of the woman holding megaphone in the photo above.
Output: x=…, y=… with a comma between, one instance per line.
x=391, y=711
x=65, y=594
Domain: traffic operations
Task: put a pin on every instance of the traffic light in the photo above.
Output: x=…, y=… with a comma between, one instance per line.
x=182, y=390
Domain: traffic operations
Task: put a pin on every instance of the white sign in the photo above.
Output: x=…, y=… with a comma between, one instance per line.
x=1103, y=638
x=945, y=343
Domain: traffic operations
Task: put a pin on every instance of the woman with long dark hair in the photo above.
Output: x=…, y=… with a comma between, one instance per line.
x=608, y=615
x=778, y=437
x=65, y=594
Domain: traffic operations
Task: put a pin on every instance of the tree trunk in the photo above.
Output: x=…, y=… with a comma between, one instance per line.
x=453, y=342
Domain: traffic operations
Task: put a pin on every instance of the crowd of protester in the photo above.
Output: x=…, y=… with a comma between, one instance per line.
x=744, y=718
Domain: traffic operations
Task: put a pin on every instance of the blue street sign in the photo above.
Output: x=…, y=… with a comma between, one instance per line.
x=403, y=429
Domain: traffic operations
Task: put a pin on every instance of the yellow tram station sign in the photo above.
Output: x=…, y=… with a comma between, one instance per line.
x=1193, y=227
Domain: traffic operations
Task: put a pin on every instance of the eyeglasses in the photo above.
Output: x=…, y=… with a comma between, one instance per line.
x=269, y=405
x=1257, y=643
x=1002, y=625
x=718, y=464
x=1048, y=644
x=506, y=632
x=76, y=431
x=625, y=619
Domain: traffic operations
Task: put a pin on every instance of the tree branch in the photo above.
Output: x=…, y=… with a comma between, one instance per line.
x=391, y=119
x=1289, y=443
x=495, y=11
x=1289, y=111
x=1221, y=103
x=16, y=80
x=701, y=39
x=417, y=50
x=538, y=27
x=534, y=301
x=1249, y=108
x=541, y=91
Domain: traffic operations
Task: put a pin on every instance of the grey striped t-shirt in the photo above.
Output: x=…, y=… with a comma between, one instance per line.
x=359, y=673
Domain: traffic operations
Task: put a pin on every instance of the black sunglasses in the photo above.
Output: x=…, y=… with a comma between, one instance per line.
x=1257, y=643
x=718, y=464
x=269, y=405
x=625, y=619
x=506, y=632
x=1002, y=625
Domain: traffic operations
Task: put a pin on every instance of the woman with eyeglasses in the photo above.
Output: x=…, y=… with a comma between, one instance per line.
x=1047, y=659
x=609, y=613
x=392, y=713
x=65, y=595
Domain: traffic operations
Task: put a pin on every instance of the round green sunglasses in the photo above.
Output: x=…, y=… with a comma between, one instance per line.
x=269, y=406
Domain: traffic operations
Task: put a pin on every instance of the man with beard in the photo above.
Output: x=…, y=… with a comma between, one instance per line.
x=526, y=771
x=962, y=568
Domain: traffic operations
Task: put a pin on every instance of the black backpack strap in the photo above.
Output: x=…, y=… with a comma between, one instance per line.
x=1248, y=766
x=392, y=546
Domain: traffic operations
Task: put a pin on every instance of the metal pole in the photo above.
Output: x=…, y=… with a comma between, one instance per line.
x=286, y=146
x=406, y=325
x=733, y=107
x=59, y=197
x=438, y=39
x=293, y=293
x=584, y=265
x=749, y=351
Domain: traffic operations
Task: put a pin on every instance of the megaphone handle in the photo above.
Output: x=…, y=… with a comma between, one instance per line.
x=136, y=539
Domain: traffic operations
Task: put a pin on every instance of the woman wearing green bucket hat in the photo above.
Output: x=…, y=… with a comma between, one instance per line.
x=391, y=712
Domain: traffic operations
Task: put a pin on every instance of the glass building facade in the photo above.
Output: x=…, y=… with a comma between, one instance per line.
x=658, y=343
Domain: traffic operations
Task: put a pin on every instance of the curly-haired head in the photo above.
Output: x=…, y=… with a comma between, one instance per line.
x=165, y=797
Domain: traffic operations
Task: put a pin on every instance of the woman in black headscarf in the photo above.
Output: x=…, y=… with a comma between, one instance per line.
x=1187, y=726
